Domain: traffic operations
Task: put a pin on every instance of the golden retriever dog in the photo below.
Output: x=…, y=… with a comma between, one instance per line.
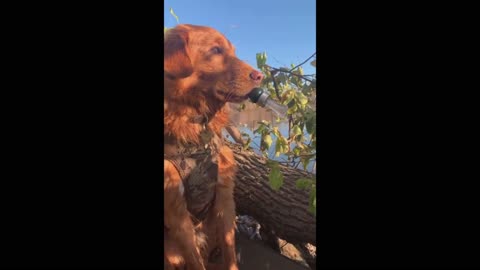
x=201, y=74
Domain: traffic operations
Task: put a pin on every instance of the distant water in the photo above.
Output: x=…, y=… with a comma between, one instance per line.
x=247, y=122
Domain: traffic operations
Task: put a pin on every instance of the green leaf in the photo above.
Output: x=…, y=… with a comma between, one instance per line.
x=291, y=103
x=278, y=148
x=267, y=139
x=303, y=183
x=300, y=145
x=241, y=107
x=174, y=15
x=292, y=109
x=296, y=130
x=288, y=96
x=259, y=130
x=261, y=59
x=281, y=146
x=299, y=138
x=246, y=145
x=271, y=163
x=263, y=127
x=275, y=177
x=302, y=99
x=305, y=161
x=264, y=123
x=306, y=89
x=276, y=132
x=311, y=123
x=300, y=70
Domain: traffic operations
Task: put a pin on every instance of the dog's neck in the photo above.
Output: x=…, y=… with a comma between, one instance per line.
x=184, y=119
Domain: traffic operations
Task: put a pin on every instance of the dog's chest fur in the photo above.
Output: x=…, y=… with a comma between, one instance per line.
x=197, y=166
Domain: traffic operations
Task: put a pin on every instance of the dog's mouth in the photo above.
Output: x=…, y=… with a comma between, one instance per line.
x=230, y=97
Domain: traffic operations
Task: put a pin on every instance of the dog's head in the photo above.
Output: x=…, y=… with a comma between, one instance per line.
x=199, y=61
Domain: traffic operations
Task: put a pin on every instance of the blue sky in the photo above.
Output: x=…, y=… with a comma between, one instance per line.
x=286, y=30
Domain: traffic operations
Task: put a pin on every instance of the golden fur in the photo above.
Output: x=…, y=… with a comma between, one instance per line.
x=201, y=74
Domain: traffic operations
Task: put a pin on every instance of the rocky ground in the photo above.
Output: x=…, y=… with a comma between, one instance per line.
x=255, y=253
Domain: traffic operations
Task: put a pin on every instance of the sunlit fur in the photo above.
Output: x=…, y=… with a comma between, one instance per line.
x=201, y=74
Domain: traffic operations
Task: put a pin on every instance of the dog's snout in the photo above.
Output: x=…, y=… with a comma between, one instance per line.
x=256, y=75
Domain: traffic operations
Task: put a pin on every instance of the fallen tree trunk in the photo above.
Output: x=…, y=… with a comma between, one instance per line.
x=284, y=211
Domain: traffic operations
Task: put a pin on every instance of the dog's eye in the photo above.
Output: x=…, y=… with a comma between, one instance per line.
x=216, y=50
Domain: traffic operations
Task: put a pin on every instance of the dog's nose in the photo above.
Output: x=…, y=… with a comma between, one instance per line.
x=256, y=76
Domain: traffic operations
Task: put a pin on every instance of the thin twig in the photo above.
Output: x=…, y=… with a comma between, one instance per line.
x=311, y=140
x=275, y=84
x=289, y=125
x=303, y=62
x=286, y=71
x=306, y=155
x=296, y=166
x=284, y=162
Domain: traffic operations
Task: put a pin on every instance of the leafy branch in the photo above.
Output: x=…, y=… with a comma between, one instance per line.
x=290, y=72
x=297, y=91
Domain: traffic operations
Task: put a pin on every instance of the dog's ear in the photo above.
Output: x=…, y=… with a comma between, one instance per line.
x=176, y=61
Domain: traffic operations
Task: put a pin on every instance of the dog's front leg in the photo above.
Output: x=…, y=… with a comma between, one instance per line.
x=177, y=220
x=225, y=209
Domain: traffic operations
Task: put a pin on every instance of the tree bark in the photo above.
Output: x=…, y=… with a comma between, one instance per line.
x=284, y=211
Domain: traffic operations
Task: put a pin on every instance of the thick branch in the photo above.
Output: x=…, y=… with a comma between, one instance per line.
x=286, y=210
